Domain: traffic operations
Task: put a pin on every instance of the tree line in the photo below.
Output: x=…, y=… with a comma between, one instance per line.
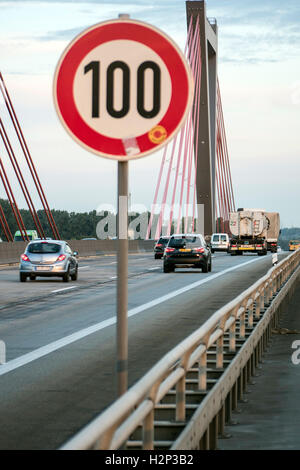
x=71, y=225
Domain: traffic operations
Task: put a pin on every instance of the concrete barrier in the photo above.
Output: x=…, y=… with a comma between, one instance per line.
x=10, y=252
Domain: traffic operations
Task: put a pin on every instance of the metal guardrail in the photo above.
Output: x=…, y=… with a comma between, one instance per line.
x=230, y=345
x=10, y=252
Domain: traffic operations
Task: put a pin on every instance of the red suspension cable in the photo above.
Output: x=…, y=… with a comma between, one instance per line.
x=27, y=156
x=12, y=202
x=20, y=178
x=5, y=226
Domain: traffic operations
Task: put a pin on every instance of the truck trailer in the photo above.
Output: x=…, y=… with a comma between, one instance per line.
x=273, y=231
x=249, y=228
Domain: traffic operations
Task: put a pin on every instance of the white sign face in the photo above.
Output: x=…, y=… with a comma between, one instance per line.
x=122, y=89
x=119, y=79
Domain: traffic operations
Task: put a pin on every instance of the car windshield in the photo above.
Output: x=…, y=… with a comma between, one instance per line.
x=215, y=238
x=223, y=238
x=184, y=242
x=44, y=247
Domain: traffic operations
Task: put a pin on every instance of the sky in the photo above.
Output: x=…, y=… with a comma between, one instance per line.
x=259, y=74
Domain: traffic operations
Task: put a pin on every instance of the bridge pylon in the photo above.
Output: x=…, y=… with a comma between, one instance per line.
x=205, y=155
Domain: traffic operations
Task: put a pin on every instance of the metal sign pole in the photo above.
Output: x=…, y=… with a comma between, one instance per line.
x=122, y=283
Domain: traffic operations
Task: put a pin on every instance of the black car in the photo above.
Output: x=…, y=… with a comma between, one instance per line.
x=160, y=246
x=187, y=250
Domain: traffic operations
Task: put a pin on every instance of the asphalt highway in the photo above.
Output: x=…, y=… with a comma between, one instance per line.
x=60, y=338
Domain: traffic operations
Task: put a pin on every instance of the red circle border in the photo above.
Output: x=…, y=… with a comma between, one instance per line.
x=81, y=46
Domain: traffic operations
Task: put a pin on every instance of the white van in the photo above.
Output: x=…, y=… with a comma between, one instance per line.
x=220, y=242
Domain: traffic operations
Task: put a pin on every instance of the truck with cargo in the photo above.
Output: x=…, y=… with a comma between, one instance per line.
x=249, y=228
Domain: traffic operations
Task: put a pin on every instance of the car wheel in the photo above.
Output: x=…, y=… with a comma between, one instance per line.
x=66, y=276
x=23, y=277
x=205, y=267
x=167, y=268
x=157, y=256
x=74, y=276
x=209, y=266
x=212, y=251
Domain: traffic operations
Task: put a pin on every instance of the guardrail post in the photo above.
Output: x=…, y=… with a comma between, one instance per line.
x=232, y=337
x=253, y=363
x=213, y=433
x=268, y=293
x=260, y=350
x=256, y=355
x=221, y=421
x=250, y=314
x=148, y=431
x=274, y=284
x=228, y=405
x=204, y=442
x=180, y=400
x=220, y=346
x=248, y=370
x=245, y=379
x=243, y=323
x=235, y=396
x=202, y=374
x=241, y=387
x=265, y=339
x=258, y=306
x=268, y=334
x=180, y=389
x=278, y=279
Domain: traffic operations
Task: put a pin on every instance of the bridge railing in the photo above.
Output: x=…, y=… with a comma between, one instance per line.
x=135, y=408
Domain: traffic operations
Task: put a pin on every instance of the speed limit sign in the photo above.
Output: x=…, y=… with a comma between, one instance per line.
x=122, y=89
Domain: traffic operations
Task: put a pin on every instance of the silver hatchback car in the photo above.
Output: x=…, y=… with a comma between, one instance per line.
x=48, y=258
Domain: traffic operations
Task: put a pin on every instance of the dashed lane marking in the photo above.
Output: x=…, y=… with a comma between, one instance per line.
x=65, y=288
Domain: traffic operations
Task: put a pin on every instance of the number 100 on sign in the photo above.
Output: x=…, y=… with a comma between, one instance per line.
x=122, y=86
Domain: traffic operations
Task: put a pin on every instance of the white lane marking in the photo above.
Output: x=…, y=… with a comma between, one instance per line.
x=83, y=267
x=65, y=288
x=114, y=262
x=67, y=340
x=151, y=269
x=113, y=277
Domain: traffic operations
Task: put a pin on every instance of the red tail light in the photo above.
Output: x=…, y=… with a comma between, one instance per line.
x=25, y=257
x=258, y=246
x=169, y=250
x=199, y=250
x=159, y=244
x=61, y=258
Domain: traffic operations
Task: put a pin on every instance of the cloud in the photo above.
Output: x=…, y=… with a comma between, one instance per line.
x=257, y=31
